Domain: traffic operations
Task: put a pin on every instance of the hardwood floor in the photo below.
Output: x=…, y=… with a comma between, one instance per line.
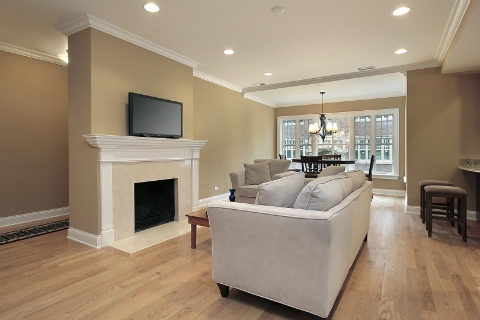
x=400, y=273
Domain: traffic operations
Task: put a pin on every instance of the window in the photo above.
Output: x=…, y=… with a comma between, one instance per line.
x=360, y=134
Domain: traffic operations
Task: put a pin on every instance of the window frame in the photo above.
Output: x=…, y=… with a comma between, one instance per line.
x=352, y=114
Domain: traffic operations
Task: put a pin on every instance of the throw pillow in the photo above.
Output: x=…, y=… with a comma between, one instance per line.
x=331, y=170
x=281, y=192
x=358, y=177
x=276, y=165
x=257, y=173
x=323, y=193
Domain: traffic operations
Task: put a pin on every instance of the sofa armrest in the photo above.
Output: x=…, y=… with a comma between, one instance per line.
x=238, y=179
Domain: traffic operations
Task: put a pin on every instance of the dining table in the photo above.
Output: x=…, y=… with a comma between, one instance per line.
x=329, y=161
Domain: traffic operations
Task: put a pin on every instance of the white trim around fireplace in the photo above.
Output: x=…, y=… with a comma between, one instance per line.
x=123, y=149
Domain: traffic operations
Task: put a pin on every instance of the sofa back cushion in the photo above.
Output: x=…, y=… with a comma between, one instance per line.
x=281, y=192
x=331, y=170
x=358, y=177
x=323, y=193
x=257, y=173
x=276, y=165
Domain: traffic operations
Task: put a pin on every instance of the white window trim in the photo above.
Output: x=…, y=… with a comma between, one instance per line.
x=351, y=115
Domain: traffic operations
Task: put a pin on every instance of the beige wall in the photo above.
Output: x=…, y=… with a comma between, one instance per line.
x=238, y=130
x=348, y=106
x=33, y=135
x=443, y=113
x=102, y=70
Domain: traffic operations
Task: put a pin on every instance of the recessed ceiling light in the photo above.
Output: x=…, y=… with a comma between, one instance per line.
x=228, y=51
x=278, y=9
x=400, y=11
x=258, y=84
x=400, y=51
x=151, y=7
x=63, y=56
x=267, y=74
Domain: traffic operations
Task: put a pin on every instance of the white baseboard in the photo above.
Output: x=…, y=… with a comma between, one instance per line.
x=86, y=238
x=203, y=203
x=32, y=216
x=471, y=215
x=397, y=193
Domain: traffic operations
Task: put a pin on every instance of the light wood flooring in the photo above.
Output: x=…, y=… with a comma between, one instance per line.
x=400, y=273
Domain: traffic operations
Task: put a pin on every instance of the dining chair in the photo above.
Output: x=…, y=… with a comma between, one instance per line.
x=282, y=156
x=370, y=170
x=311, y=165
x=333, y=157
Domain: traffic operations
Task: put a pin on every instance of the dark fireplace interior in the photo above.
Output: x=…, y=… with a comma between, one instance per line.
x=154, y=203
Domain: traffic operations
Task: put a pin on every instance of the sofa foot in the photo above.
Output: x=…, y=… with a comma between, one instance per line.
x=366, y=237
x=223, y=290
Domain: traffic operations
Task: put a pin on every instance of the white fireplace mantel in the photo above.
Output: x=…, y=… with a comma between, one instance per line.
x=123, y=149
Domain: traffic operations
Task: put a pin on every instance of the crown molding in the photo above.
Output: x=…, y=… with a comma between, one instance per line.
x=259, y=100
x=345, y=76
x=30, y=53
x=220, y=82
x=89, y=21
x=458, y=11
x=356, y=98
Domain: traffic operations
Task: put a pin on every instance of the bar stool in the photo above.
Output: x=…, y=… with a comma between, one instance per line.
x=437, y=205
x=450, y=193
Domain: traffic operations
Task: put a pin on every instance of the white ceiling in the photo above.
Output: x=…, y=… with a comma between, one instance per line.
x=314, y=45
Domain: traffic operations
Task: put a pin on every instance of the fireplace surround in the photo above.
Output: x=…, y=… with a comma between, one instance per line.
x=126, y=160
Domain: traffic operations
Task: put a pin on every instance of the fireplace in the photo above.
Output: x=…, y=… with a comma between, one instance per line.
x=154, y=203
x=125, y=161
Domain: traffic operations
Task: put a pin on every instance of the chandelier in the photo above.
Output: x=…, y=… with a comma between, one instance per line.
x=325, y=129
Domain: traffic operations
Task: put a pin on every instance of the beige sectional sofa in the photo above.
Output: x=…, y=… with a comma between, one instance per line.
x=296, y=255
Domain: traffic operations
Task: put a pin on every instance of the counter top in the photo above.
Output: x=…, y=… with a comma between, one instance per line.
x=472, y=165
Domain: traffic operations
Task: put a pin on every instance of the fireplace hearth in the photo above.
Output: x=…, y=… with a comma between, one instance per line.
x=154, y=203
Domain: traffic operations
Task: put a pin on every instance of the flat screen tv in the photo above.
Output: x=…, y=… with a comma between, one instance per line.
x=154, y=117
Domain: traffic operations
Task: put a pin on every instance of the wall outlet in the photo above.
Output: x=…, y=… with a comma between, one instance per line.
x=216, y=188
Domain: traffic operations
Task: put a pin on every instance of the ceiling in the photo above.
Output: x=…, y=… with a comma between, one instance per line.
x=314, y=45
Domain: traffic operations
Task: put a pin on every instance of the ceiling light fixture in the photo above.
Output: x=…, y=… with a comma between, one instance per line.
x=366, y=68
x=267, y=74
x=229, y=51
x=401, y=11
x=278, y=9
x=400, y=51
x=63, y=56
x=151, y=7
x=326, y=128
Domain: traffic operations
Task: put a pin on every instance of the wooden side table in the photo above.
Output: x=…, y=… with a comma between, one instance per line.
x=198, y=218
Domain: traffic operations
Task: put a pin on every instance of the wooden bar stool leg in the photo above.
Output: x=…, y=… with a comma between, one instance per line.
x=451, y=210
x=464, y=217
x=428, y=214
x=422, y=204
x=459, y=216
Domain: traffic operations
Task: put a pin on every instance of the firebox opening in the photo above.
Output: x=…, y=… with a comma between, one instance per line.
x=154, y=203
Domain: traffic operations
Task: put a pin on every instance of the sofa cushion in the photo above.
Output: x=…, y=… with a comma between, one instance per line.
x=283, y=175
x=331, y=170
x=358, y=177
x=281, y=192
x=247, y=191
x=323, y=193
x=257, y=173
x=276, y=165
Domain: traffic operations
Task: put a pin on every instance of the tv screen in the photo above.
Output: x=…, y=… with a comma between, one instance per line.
x=154, y=117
